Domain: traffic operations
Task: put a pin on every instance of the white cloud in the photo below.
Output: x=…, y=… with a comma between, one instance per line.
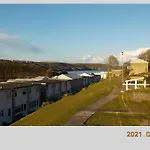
x=127, y=55
x=91, y=59
x=16, y=43
x=130, y=55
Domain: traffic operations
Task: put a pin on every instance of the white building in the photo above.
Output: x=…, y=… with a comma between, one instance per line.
x=103, y=75
x=87, y=78
x=77, y=82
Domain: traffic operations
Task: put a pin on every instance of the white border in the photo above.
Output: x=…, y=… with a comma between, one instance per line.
x=72, y=138
x=75, y=1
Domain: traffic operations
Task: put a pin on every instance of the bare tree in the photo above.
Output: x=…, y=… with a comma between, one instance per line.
x=112, y=61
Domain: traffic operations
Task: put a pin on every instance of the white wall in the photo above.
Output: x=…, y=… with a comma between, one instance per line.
x=5, y=104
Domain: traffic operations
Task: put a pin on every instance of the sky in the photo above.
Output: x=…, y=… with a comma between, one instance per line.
x=73, y=33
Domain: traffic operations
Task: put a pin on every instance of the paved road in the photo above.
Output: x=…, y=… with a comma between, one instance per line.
x=81, y=117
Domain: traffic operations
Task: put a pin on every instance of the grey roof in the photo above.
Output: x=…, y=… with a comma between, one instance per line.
x=17, y=85
x=73, y=76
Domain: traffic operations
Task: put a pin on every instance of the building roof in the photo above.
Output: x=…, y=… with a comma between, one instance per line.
x=69, y=76
x=85, y=75
x=39, y=78
x=138, y=61
x=15, y=85
x=52, y=81
x=73, y=76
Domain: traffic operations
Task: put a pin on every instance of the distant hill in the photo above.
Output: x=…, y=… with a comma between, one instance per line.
x=22, y=69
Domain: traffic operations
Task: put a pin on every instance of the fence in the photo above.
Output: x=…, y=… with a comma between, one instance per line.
x=135, y=84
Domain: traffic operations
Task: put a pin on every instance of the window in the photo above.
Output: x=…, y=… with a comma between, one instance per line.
x=9, y=112
x=15, y=93
x=24, y=106
x=1, y=113
x=24, y=92
x=33, y=104
x=19, y=109
x=16, y=111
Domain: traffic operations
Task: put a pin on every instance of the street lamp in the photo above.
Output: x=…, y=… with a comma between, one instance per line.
x=122, y=67
x=122, y=91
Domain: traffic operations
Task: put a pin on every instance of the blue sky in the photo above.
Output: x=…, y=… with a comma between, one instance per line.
x=73, y=33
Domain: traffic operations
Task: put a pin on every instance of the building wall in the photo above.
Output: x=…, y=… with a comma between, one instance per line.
x=116, y=73
x=55, y=91
x=34, y=98
x=20, y=102
x=63, y=87
x=57, y=88
x=50, y=90
x=68, y=86
x=85, y=81
x=103, y=75
x=96, y=78
x=77, y=84
x=6, y=106
x=139, y=68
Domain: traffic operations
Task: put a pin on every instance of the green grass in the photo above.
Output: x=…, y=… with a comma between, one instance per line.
x=59, y=112
x=112, y=119
x=122, y=103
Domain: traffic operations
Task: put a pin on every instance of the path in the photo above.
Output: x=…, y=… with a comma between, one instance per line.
x=81, y=117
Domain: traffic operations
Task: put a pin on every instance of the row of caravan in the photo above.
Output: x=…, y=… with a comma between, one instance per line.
x=20, y=97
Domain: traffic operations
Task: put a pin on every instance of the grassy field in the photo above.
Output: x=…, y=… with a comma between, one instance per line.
x=114, y=119
x=59, y=112
x=120, y=104
x=124, y=103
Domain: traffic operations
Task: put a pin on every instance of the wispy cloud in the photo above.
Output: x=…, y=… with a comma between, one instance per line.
x=127, y=55
x=16, y=43
x=133, y=54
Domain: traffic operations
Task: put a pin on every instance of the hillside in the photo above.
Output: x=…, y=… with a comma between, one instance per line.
x=21, y=69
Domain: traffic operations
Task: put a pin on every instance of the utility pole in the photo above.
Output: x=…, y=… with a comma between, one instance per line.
x=122, y=67
x=122, y=73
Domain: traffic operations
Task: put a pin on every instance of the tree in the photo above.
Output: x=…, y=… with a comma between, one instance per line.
x=145, y=55
x=112, y=61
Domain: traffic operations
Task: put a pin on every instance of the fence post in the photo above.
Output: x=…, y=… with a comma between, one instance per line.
x=126, y=85
x=135, y=84
x=145, y=84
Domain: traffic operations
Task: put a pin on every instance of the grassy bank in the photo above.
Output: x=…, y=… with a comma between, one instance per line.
x=114, y=119
x=58, y=113
x=123, y=103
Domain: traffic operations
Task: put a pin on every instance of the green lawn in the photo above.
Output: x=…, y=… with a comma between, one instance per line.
x=113, y=119
x=122, y=103
x=59, y=112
